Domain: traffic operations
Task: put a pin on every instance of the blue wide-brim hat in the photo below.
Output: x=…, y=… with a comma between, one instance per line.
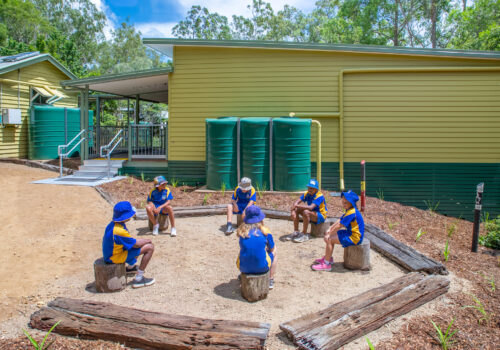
x=351, y=197
x=123, y=211
x=253, y=215
x=313, y=184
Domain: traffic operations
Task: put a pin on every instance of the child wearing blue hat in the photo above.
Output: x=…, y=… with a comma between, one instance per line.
x=312, y=207
x=159, y=202
x=352, y=234
x=257, y=249
x=119, y=247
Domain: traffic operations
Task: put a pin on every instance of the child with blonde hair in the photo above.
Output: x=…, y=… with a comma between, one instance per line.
x=257, y=249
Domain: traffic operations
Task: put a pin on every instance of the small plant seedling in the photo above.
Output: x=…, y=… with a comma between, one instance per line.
x=485, y=217
x=223, y=188
x=479, y=307
x=444, y=338
x=206, y=198
x=275, y=206
x=130, y=179
x=370, y=345
x=431, y=206
x=380, y=194
x=41, y=345
x=446, y=251
x=451, y=229
x=143, y=179
x=391, y=225
x=419, y=235
x=490, y=280
x=260, y=190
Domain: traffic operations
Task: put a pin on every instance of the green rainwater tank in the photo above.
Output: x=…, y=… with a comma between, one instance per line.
x=221, y=153
x=291, y=153
x=50, y=127
x=254, y=136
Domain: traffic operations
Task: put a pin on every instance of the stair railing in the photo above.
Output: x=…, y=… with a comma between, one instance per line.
x=63, y=153
x=109, y=148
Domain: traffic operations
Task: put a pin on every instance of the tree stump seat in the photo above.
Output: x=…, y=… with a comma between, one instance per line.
x=109, y=277
x=318, y=230
x=254, y=287
x=163, y=221
x=357, y=257
x=239, y=220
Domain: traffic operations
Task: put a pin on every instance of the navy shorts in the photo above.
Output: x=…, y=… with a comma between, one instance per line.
x=132, y=255
x=241, y=208
x=320, y=220
x=345, y=238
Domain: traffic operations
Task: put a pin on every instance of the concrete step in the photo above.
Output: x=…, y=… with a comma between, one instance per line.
x=94, y=174
x=101, y=162
x=97, y=168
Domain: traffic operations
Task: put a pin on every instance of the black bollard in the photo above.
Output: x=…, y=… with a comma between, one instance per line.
x=477, y=213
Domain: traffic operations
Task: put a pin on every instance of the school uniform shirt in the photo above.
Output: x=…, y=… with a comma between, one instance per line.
x=243, y=198
x=158, y=197
x=116, y=243
x=317, y=199
x=354, y=224
x=253, y=257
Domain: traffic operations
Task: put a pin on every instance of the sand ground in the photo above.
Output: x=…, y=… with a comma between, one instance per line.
x=53, y=234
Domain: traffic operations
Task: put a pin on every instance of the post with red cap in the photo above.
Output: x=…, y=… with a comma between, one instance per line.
x=363, y=186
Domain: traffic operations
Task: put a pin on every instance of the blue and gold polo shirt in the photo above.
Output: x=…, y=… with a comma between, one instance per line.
x=160, y=197
x=354, y=224
x=116, y=243
x=317, y=199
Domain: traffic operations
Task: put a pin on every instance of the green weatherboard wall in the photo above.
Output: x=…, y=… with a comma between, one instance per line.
x=291, y=153
x=50, y=127
x=255, y=154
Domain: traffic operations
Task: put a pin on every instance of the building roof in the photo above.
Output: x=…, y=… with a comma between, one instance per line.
x=166, y=45
x=149, y=85
x=10, y=63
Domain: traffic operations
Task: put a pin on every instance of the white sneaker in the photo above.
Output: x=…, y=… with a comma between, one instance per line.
x=155, y=229
x=173, y=232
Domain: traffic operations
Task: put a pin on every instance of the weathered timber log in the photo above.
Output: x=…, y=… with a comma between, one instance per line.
x=109, y=277
x=319, y=229
x=400, y=253
x=162, y=221
x=357, y=257
x=254, y=287
x=345, y=321
x=147, y=330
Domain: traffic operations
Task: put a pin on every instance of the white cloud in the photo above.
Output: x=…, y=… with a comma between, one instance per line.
x=155, y=30
x=111, y=20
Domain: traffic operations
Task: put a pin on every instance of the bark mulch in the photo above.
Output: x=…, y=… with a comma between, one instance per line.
x=403, y=223
x=70, y=163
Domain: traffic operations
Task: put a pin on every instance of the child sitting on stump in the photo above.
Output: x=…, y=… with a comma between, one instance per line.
x=159, y=203
x=119, y=247
x=257, y=249
x=352, y=234
x=243, y=197
x=312, y=207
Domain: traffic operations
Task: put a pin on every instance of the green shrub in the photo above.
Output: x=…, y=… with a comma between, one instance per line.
x=492, y=237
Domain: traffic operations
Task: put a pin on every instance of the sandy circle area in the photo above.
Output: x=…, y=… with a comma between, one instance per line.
x=53, y=234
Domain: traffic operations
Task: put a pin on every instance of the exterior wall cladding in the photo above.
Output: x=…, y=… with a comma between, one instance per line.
x=428, y=129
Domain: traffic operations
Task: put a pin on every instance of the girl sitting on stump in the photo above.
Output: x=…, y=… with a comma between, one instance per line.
x=353, y=233
x=257, y=249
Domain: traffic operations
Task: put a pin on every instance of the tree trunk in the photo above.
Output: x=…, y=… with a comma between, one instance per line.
x=396, y=24
x=433, y=23
x=109, y=277
x=254, y=287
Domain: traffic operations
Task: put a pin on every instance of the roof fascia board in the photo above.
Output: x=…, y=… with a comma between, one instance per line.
x=37, y=59
x=116, y=77
x=153, y=42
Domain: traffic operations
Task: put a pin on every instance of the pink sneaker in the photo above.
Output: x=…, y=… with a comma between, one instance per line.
x=322, y=267
x=322, y=260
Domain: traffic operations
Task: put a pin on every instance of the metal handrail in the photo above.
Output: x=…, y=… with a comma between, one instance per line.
x=109, y=148
x=65, y=147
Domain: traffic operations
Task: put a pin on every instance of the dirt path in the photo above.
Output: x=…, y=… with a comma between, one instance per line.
x=48, y=232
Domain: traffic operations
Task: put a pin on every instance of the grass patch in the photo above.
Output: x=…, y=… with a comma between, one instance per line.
x=40, y=346
x=444, y=338
x=419, y=235
x=485, y=316
x=446, y=251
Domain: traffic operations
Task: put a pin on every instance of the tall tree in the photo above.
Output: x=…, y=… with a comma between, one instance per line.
x=202, y=24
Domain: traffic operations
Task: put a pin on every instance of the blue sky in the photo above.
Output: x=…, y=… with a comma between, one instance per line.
x=156, y=18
